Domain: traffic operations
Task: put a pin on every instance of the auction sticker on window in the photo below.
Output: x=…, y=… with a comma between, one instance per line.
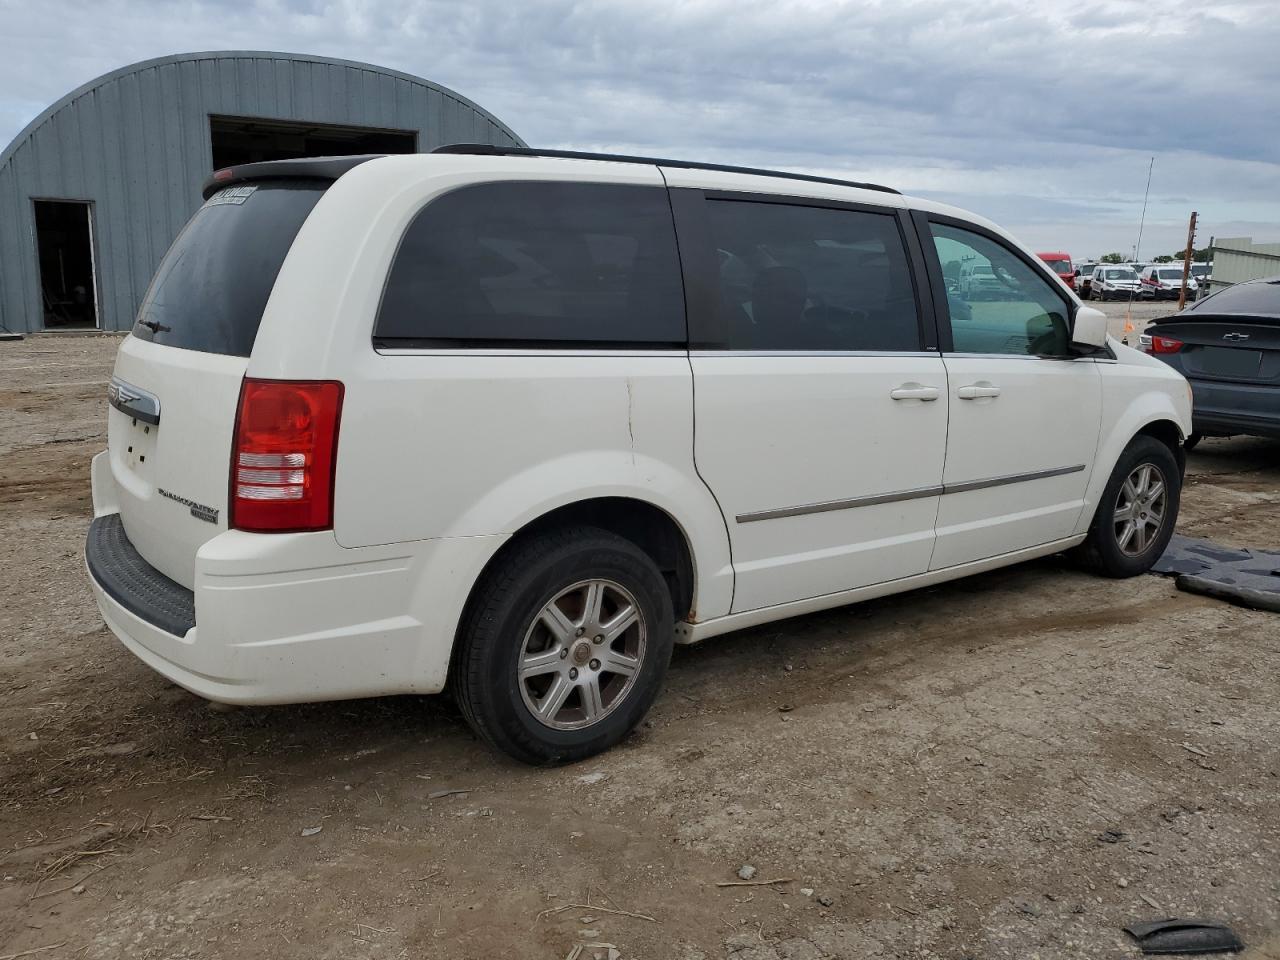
x=236, y=195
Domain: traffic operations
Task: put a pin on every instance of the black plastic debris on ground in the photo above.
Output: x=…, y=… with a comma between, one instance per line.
x=1250, y=578
x=1184, y=936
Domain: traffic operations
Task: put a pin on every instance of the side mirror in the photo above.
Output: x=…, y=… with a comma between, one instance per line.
x=1090, y=328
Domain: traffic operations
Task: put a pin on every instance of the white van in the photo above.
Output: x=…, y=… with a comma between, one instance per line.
x=517, y=422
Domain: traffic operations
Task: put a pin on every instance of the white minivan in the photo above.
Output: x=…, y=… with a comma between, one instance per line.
x=516, y=421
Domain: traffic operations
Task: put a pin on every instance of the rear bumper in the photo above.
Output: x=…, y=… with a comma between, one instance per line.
x=117, y=568
x=1229, y=408
x=291, y=618
x=1228, y=424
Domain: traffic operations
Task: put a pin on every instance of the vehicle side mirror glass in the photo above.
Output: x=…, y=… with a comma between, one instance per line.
x=1089, y=329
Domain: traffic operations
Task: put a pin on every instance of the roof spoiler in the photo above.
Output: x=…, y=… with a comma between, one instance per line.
x=308, y=168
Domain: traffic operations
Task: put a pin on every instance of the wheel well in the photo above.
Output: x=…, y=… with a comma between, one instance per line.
x=647, y=526
x=1168, y=433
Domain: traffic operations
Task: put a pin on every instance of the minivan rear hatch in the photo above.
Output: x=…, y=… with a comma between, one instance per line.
x=178, y=377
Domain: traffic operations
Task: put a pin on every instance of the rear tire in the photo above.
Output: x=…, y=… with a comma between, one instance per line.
x=1137, y=513
x=564, y=645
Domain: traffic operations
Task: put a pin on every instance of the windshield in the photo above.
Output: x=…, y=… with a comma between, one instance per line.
x=213, y=284
x=1119, y=273
x=1170, y=274
x=982, y=270
x=1059, y=265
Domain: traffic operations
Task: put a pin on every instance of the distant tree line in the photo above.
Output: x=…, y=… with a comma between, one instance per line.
x=1200, y=255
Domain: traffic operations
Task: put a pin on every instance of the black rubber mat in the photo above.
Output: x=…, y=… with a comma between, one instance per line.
x=1250, y=578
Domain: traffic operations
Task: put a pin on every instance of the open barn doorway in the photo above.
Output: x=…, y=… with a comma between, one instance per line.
x=249, y=140
x=64, y=246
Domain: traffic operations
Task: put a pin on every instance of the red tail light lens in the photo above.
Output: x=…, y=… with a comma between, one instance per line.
x=1165, y=344
x=283, y=457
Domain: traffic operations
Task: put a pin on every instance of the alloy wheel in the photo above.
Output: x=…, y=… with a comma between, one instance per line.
x=582, y=654
x=1140, y=509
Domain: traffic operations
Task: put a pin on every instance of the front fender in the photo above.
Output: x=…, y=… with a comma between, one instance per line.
x=1134, y=396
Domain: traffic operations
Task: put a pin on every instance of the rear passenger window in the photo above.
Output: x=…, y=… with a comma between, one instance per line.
x=812, y=278
x=538, y=264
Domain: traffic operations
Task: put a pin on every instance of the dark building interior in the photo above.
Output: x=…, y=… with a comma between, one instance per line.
x=64, y=241
x=247, y=140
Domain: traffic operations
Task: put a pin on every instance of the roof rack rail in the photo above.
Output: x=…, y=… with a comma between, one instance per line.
x=488, y=149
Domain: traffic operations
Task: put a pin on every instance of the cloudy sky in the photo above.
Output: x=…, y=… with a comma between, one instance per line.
x=1040, y=115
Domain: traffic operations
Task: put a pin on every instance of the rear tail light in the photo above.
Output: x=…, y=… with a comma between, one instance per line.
x=1165, y=344
x=283, y=456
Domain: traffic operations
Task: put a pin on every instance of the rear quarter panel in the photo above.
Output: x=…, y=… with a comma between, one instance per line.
x=454, y=443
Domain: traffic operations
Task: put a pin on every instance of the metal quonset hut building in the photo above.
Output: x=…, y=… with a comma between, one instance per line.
x=93, y=191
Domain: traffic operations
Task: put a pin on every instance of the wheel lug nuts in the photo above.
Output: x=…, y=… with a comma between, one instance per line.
x=595, y=664
x=580, y=631
x=599, y=639
x=564, y=652
x=573, y=673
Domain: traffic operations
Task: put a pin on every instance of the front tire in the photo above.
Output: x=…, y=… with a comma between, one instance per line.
x=564, y=645
x=1137, y=513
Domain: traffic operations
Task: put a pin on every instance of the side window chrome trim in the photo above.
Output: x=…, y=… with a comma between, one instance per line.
x=933, y=354
x=551, y=350
x=957, y=354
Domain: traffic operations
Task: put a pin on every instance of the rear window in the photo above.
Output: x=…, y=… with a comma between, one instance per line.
x=213, y=284
x=537, y=264
x=1255, y=298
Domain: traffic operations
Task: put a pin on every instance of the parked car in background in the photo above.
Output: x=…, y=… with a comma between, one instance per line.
x=1060, y=263
x=1203, y=272
x=475, y=419
x=1084, y=272
x=1228, y=346
x=979, y=282
x=1163, y=281
x=1112, y=282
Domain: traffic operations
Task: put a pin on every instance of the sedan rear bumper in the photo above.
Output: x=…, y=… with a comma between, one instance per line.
x=1227, y=424
x=1230, y=408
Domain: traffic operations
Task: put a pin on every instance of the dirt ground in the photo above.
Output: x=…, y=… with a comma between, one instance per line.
x=1011, y=766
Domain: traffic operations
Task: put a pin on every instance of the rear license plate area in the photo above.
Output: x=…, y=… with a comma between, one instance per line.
x=1229, y=362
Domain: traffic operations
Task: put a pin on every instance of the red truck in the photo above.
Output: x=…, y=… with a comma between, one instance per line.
x=1060, y=263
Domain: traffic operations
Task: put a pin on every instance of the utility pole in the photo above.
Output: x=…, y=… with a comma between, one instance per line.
x=1186, y=260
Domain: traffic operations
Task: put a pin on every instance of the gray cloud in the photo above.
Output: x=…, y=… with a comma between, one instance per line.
x=1042, y=115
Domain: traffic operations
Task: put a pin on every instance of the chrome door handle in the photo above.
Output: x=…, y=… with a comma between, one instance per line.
x=914, y=391
x=976, y=391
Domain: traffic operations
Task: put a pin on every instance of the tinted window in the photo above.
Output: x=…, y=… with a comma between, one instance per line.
x=1001, y=304
x=535, y=264
x=213, y=284
x=811, y=278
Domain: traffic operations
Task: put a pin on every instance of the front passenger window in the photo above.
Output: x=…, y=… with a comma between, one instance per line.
x=997, y=302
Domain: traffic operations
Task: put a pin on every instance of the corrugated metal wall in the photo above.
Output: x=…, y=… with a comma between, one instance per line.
x=1237, y=259
x=136, y=144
